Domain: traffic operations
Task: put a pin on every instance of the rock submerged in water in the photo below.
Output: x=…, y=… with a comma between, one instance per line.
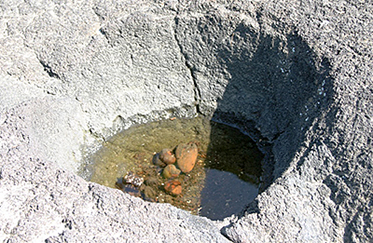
x=133, y=179
x=173, y=187
x=186, y=156
x=183, y=160
x=170, y=171
x=157, y=161
x=130, y=184
x=167, y=156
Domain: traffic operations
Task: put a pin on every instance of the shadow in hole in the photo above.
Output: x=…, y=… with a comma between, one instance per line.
x=233, y=172
x=275, y=90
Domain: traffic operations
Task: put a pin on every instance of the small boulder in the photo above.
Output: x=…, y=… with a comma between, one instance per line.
x=170, y=171
x=167, y=156
x=173, y=187
x=186, y=156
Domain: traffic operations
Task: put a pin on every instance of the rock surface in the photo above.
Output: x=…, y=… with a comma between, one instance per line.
x=296, y=75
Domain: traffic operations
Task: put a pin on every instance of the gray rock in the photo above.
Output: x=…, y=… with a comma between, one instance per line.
x=296, y=76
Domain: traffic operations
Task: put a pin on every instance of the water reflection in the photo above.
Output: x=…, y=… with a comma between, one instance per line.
x=225, y=194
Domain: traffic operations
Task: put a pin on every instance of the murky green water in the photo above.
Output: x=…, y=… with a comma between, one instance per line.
x=224, y=180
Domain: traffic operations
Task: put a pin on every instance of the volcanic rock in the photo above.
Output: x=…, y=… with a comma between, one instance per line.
x=295, y=75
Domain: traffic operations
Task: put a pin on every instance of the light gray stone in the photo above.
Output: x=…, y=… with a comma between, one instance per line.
x=295, y=75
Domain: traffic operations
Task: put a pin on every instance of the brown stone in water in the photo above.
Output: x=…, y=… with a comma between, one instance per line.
x=158, y=161
x=186, y=156
x=167, y=156
x=170, y=171
x=173, y=187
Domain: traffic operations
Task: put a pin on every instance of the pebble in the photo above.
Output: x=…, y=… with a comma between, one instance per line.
x=186, y=156
x=167, y=156
x=133, y=179
x=170, y=171
x=157, y=161
x=173, y=187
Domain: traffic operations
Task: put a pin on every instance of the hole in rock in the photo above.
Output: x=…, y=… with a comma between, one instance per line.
x=272, y=87
x=224, y=179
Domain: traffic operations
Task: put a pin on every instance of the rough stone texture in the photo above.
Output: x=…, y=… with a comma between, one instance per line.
x=296, y=75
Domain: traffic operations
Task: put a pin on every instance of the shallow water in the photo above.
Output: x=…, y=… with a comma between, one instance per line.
x=224, y=180
x=225, y=194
